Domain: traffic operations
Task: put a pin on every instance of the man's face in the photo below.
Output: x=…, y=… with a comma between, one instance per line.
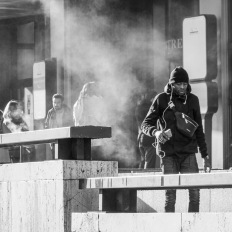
x=180, y=88
x=57, y=103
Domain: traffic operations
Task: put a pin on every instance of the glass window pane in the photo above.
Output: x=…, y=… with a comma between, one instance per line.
x=25, y=33
x=25, y=62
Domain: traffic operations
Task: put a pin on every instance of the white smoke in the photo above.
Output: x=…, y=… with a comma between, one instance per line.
x=114, y=50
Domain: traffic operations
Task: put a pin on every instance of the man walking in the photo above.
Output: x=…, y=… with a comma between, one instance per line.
x=176, y=148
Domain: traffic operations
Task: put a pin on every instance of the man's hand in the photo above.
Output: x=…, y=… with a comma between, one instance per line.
x=206, y=164
x=161, y=136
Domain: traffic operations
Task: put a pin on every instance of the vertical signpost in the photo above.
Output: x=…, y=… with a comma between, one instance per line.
x=28, y=106
x=44, y=86
x=39, y=90
x=200, y=61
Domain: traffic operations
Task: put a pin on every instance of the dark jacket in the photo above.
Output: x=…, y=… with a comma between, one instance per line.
x=50, y=121
x=179, y=143
x=140, y=113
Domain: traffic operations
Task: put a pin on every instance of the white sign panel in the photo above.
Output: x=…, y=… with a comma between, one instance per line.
x=39, y=90
x=28, y=107
x=194, y=47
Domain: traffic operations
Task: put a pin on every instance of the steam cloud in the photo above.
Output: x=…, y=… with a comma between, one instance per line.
x=115, y=47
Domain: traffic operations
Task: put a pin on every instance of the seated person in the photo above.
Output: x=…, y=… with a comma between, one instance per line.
x=14, y=122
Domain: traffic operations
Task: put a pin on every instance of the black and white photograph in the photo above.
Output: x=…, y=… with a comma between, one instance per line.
x=115, y=115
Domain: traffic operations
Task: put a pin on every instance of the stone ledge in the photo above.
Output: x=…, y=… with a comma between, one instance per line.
x=57, y=170
x=150, y=222
x=179, y=181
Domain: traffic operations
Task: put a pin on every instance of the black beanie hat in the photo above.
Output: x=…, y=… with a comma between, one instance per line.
x=178, y=75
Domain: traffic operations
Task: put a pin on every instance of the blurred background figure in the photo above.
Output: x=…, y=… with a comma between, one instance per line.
x=60, y=115
x=1, y=121
x=90, y=108
x=147, y=151
x=13, y=122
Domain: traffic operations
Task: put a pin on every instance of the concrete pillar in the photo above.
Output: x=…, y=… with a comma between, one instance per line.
x=41, y=196
x=220, y=126
x=57, y=33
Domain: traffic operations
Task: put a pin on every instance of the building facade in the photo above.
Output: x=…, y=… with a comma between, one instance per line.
x=131, y=45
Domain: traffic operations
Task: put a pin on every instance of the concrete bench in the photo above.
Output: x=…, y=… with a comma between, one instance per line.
x=70, y=142
x=120, y=193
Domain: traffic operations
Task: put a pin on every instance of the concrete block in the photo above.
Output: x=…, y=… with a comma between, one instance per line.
x=52, y=170
x=221, y=200
x=57, y=170
x=85, y=222
x=205, y=200
x=206, y=179
x=5, y=207
x=150, y=201
x=170, y=180
x=41, y=196
x=154, y=201
x=77, y=169
x=202, y=222
x=182, y=200
x=152, y=222
x=76, y=200
x=133, y=181
x=211, y=200
x=31, y=206
x=128, y=222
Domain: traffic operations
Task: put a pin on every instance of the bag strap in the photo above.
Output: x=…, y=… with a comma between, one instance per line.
x=172, y=106
x=1, y=128
x=159, y=125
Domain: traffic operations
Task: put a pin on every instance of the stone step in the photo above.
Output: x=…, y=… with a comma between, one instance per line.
x=151, y=222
